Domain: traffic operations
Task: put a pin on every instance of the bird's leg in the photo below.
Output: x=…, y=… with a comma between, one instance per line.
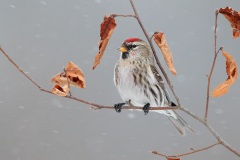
x=146, y=108
x=118, y=107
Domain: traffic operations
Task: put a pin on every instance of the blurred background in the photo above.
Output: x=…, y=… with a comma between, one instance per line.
x=42, y=36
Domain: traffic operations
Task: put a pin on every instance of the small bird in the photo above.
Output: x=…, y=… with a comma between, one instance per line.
x=139, y=83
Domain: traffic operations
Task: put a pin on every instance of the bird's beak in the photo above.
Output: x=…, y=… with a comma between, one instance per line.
x=122, y=49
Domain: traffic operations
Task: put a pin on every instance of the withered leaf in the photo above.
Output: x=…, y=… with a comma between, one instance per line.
x=234, y=18
x=106, y=30
x=60, y=78
x=160, y=40
x=60, y=90
x=74, y=74
x=173, y=158
x=232, y=72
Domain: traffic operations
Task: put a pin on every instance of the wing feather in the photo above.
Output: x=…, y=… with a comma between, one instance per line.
x=160, y=82
x=116, y=75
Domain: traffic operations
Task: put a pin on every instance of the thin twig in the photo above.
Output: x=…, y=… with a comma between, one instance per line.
x=123, y=15
x=154, y=53
x=213, y=64
x=221, y=141
x=188, y=153
x=198, y=150
x=230, y=148
x=192, y=114
x=19, y=69
x=159, y=154
x=212, y=130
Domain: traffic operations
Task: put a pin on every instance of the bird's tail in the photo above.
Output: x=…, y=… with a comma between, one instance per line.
x=180, y=123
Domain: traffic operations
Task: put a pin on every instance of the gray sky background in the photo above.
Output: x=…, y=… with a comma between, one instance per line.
x=42, y=36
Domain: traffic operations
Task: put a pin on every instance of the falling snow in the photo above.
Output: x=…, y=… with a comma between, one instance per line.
x=43, y=3
x=12, y=6
x=131, y=115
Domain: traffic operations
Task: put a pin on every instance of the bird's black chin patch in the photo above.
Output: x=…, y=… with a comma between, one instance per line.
x=125, y=55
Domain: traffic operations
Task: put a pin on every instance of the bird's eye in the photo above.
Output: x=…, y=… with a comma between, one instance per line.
x=131, y=46
x=134, y=46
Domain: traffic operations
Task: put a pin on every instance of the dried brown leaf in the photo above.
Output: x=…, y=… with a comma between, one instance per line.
x=232, y=72
x=60, y=90
x=72, y=75
x=60, y=78
x=222, y=88
x=234, y=18
x=160, y=40
x=106, y=30
x=173, y=158
x=75, y=75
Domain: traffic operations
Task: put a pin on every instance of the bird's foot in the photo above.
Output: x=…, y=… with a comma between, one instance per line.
x=118, y=107
x=146, y=108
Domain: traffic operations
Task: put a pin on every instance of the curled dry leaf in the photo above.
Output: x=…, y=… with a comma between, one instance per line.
x=60, y=78
x=75, y=75
x=106, y=30
x=234, y=18
x=72, y=75
x=232, y=72
x=160, y=40
x=173, y=158
x=60, y=90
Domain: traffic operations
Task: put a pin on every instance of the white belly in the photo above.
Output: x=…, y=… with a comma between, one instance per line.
x=130, y=91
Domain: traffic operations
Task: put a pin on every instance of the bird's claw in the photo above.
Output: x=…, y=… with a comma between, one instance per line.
x=146, y=108
x=118, y=107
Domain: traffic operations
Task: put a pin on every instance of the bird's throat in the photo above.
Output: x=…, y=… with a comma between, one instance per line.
x=125, y=55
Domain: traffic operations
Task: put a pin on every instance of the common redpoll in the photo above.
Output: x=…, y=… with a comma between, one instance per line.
x=140, y=84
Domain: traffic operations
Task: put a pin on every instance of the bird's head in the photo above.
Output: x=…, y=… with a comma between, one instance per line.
x=133, y=48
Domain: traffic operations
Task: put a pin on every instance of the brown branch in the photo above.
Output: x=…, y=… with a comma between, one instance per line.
x=19, y=69
x=212, y=130
x=188, y=153
x=209, y=82
x=111, y=107
x=159, y=154
x=230, y=148
x=192, y=114
x=213, y=64
x=220, y=140
x=123, y=15
x=154, y=53
x=198, y=150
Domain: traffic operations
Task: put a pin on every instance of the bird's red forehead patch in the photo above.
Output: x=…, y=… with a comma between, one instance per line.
x=131, y=40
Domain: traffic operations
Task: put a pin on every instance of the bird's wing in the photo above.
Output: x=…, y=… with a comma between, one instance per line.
x=116, y=75
x=160, y=82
